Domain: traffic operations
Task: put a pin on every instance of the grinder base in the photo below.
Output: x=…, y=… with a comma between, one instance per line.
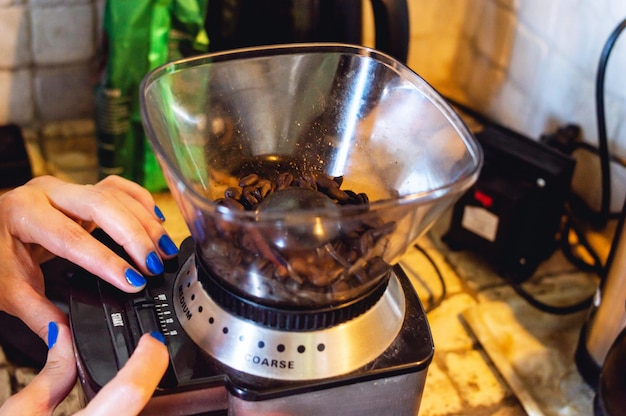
x=107, y=323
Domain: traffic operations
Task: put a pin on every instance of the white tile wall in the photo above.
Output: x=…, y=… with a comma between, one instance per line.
x=16, y=104
x=15, y=29
x=47, y=50
x=530, y=64
x=62, y=34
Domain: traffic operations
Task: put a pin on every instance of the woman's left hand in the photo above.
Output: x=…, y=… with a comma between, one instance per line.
x=125, y=395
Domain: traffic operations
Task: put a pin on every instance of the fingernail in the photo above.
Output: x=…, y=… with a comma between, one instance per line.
x=158, y=336
x=53, y=334
x=167, y=245
x=159, y=213
x=154, y=264
x=134, y=277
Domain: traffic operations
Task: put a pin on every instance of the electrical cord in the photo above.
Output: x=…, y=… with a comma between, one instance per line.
x=435, y=304
x=592, y=149
x=600, y=269
x=601, y=218
x=603, y=147
x=551, y=309
x=570, y=226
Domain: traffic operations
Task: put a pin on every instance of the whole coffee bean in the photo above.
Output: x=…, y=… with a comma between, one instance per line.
x=308, y=181
x=264, y=187
x=248, y=195
x=233, y=192
x=283, y=181
x=231, y=203
x=325, y=182
x=338, y=194
x=248, y=180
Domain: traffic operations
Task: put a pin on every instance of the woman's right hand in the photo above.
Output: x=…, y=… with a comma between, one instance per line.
x=48, y=217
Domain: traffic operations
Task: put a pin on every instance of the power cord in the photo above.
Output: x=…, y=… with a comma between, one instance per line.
x=437, y=302
x=603, y=147
x=576, y=204
x=599, y=219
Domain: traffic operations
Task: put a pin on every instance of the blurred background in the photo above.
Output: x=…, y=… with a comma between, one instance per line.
x=529, y=65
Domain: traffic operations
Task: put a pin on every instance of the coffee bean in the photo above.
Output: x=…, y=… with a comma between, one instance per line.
x=265, y=187
x=248, y=195
x=338, y=194
x=325, y=182
x=283, y=181
x=231, y=203
x=248, y=180
x=313, y=277
x=233, y=192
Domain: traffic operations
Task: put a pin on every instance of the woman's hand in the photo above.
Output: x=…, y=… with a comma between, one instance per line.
x=126, y=394
x=48, y=216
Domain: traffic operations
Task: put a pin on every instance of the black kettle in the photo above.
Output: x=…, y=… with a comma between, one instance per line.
x=233, y=24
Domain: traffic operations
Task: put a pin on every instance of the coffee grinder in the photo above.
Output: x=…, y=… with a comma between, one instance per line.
x=303, y=173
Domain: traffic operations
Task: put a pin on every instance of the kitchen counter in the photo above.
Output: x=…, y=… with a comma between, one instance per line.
x=480, y=323
x=494, y=354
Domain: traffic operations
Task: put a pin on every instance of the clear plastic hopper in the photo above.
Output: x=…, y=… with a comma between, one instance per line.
x=305, y=171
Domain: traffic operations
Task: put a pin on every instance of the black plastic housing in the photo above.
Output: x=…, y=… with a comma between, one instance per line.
x=512, y=215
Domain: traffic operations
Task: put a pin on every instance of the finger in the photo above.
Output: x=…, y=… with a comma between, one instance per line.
x=133, y=386
x=22, y=291
x=65, y=238
x=53, y=383
x=124, y=218
x=60, y=235
x=136, y=191
x=35, y=310
x=154, y=229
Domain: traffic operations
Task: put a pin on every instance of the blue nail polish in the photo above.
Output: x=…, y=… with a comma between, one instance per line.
x=158, y=336
x=154, y=264
x=159, y=213
x=134, y=278
x=167, y=245
x=53, y=334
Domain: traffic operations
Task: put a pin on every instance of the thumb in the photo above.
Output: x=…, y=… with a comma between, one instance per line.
x=54, y=381
x=131, y=389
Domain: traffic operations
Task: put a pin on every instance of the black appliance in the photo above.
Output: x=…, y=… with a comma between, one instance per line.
x=107, y=323
x=512, y=215
x=233, y=24
x=285, y=301
x=15, y=166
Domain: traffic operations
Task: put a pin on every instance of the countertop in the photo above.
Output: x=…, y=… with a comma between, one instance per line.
x=494, y=354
